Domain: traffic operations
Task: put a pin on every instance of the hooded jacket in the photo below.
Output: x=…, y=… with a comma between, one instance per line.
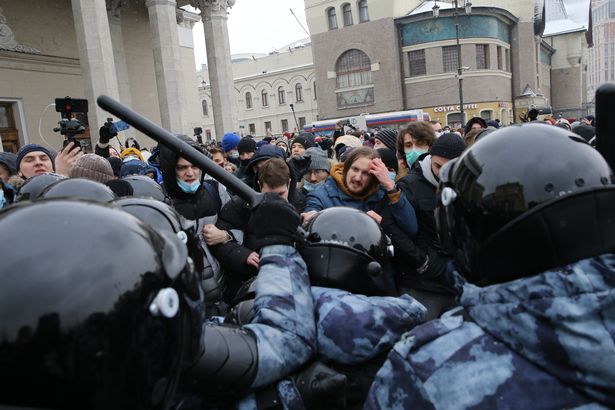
x=544, y=341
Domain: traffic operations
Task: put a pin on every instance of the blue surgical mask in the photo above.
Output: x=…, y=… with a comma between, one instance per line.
x=309, y=187
x=2, y=199
x=234, y=154
x=413, y=154
x=188, y=188
x=393, y=175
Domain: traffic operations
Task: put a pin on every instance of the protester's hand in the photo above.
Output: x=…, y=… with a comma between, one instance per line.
x=213, y=235
x=380, y=171
x=105, y=135
x=274, y=222
x=375, y=216
x=253, y=260
x=65, y=160
x=299, y=165
x=306, y=216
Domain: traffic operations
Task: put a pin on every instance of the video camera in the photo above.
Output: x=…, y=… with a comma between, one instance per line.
x=198, y=133
x=346, y=123
x=69, y=126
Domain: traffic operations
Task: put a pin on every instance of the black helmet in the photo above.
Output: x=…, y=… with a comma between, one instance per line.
x=156, y=214
x=346, y=249
x=526, y=199
x=145, y=187
x=35, y=185
x=94, y=309
x=79, y=188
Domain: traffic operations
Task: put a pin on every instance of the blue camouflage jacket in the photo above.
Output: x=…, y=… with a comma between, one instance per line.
x=546, y=341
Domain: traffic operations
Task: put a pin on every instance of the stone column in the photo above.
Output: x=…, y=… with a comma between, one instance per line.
x=214, y=15
x=167, y=62
x=121, y=68
x=96, y=57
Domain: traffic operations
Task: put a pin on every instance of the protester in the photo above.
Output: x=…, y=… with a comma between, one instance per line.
x=299, y=145
x=386, y=138
x=413, y=141
x=317, y=170
x=217, y=156
x=229, y=144
x=8, y=166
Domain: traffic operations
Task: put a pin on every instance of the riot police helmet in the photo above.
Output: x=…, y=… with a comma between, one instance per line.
x=35, y=185
x=525, y=199
x=94, y=308
x=145, y=187
x=79, y=188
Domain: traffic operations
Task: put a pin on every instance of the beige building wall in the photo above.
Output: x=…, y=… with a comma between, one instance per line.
x=267, y=73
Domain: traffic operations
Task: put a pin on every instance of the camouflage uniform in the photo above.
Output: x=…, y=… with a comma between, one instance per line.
x=546, y=341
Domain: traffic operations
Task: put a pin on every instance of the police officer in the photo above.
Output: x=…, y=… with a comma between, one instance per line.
x=528, y=212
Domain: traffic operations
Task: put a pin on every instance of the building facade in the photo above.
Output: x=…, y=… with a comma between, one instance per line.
x=273, y=92
x=138, y=52
x=601, y=57
x=374, y=56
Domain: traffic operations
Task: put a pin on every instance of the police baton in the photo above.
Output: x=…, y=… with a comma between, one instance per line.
x=180, y=147
x=605, y=124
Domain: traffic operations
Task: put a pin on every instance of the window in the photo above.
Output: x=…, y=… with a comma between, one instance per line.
x=252, y=129
x=284, y=125
x=482, y=56
x=353, y=69
x=301, y=123
x=298, y=92
x=363, y=11
x=248, y=101
x=331, y=18
x=264, y=98
x=281, y=95
x=449, y=58
x=417, y=63
x=500, y=62
x=454, y=120
x=205, y=110
x=347, y=13
x=507, y=54
x=486, y=115
x=314, y=88
x=267, y=126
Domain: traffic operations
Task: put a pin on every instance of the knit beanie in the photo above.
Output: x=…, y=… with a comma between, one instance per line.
x=131, y=151
x=448, y=146
x=93, y=167
x=230, y=141
x=306, y=143
x=246, y=144
x=318, y=159
x=26, y=149
x=388, y=138
x=389, y=158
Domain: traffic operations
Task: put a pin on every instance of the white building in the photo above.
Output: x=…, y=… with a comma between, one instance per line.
x=267, y=89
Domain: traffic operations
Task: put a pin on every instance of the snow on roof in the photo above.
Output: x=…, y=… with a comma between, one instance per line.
x=566, y=16
x=427, y=6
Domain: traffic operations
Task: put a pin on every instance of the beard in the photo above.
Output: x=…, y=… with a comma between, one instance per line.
x=361, y=192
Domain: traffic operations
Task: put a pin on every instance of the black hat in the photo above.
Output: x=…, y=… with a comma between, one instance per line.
x=389, y=158
x=303, y=141
x=388, y=138
x=448, y=146
x=246, y=144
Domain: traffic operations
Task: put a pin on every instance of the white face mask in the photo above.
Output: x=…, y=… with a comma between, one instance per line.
x=438, y=134
x=130, y=158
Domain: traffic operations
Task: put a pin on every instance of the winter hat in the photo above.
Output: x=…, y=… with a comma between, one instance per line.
x=318, y=159
x=306, y=143
x=267, y=151
x=246, y=144
x=116, y=165
x=260, y=144
x=26, y=149
x=268, y=139
x=94, y=167
x=388, y=138
x=389, y=158
x=448, y=146
x=493, y=124
x=349, y=141
x=230, y=141
x=472, y=121
x=131, y=151
x=8, y=159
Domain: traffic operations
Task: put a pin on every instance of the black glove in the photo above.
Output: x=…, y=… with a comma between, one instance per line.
x=326, y=143
x=321, y=387
x=299, y=166
x=435, y=265
x=105, y=133
x=274, y=222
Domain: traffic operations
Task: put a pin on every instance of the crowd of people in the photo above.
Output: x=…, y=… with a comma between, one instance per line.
x=419, y=267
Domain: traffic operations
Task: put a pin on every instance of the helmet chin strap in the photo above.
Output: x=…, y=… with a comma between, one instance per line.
x=552, y=235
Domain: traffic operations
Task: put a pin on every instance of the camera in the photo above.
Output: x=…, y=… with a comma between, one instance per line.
x=69, y=126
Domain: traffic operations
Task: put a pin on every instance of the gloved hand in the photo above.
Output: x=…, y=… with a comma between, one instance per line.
x=326, y=143
x=434, y=266
x=105, y=134
x=299, y=166
x=274, y=222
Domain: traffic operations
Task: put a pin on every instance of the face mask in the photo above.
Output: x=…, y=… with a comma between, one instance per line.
x=393, y=175
x=130, y=158
x=438, y=134
x=188, y=188
x=308, y=186
x=2, y=199
x=234, y=154
x=413, y=155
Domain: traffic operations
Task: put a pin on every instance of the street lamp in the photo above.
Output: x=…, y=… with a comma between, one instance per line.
x=467, y=5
